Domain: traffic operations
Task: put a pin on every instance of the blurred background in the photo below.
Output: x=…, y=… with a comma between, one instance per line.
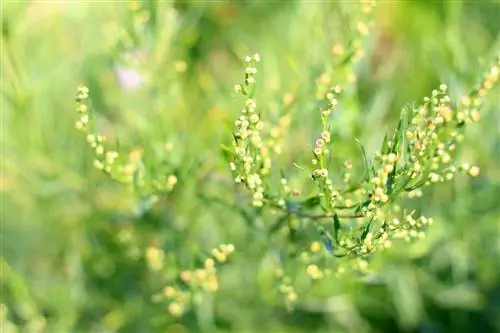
x=74, y=242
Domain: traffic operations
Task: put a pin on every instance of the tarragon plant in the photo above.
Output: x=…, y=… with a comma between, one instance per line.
x=343, y=214
x=351, y=216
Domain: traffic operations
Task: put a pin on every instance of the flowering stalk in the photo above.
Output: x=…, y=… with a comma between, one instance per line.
x=191, y=284
x=254, y=143
x=133, y=172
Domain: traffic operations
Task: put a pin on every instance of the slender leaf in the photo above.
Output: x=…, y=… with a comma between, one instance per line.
x=278, y=224
x=336, y=228
x=311, y=202
x=366, y=176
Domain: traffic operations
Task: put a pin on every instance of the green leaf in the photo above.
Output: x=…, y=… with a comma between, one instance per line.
x=399, y=136
x=400, y=130
x=362, y=205
x=366, y=229
x=336, y=228
x=366, y=176
x=278, y=224
x=400, y=185
x=226, y=152
x=347, y=59
x=385, y=148
x=390, y=182
x=292, y=237
x=311, y=202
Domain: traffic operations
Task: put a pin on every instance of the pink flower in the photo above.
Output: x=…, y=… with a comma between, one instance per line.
x=129, y=78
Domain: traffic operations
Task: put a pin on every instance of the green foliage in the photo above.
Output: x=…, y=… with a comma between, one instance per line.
x=297, y=200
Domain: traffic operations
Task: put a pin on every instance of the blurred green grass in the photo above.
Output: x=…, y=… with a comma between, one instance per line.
x=61, y=257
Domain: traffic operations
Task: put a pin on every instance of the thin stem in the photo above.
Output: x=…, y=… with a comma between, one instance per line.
x=326, y=215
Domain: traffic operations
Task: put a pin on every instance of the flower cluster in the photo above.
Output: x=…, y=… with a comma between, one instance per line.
x=155, y=258
x=321, y=151
x=423, y=148
x=250, y=73
x=406, y=228
x=193, y=282
x=254, y=142
x=314, y=272
x=421, y=151
x=104, y=159
x=490, y=78
x=132, y=172
x=286, y=288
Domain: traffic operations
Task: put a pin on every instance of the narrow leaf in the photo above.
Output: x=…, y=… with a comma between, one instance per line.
x=311, y=202
x=385, y=148
x=366, y=176
x=226, y=152
x=336, y=228
x=278, y=224
x=366, y=229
